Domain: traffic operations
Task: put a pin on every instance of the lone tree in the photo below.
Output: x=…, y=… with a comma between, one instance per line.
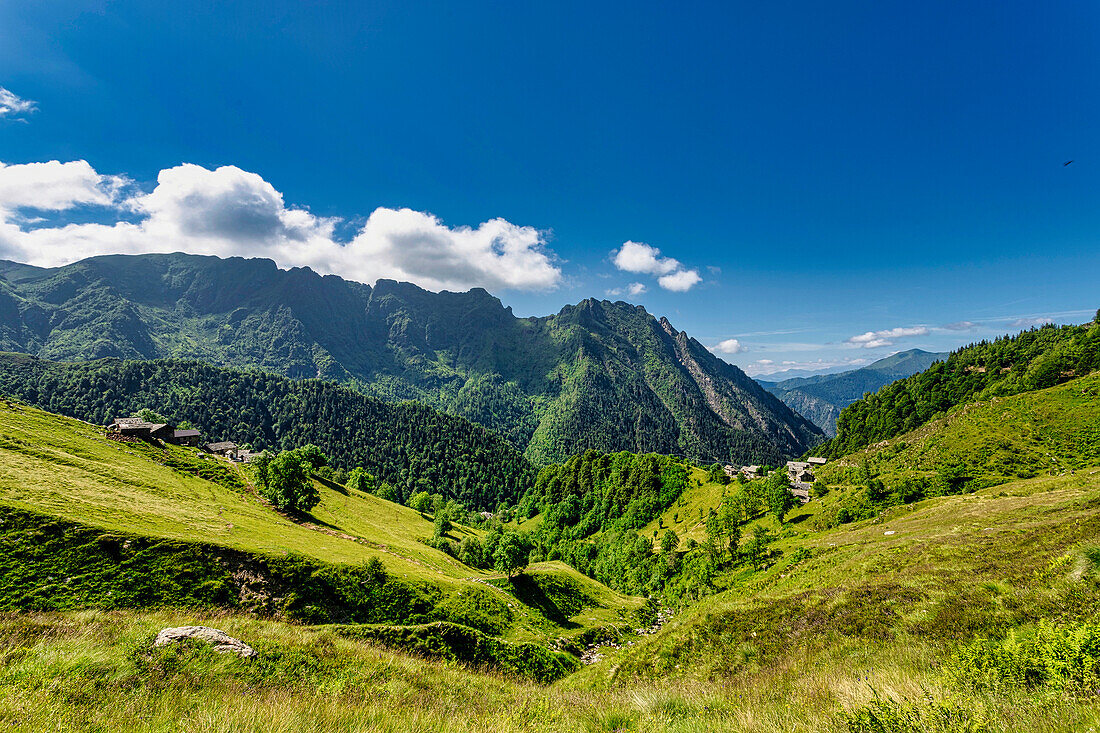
x=778, y=495
x=511, y=554
x=442, y=524
x=285, y=478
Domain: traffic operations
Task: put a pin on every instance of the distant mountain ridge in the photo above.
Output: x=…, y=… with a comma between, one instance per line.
x=601, y=375
x=820, y=398
x=1029, y=361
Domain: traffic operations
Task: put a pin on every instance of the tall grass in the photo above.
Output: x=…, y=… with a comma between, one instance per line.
x=98, y=671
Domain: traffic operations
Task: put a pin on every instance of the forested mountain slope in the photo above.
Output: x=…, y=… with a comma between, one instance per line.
x=408, y=445
x=1031, y=360
x=820, y=398
x=601, y=375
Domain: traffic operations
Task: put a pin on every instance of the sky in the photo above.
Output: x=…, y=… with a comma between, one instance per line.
x=798, y=185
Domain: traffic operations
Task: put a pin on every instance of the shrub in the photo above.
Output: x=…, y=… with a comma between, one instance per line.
x=1061, y=658
x=360, y=480
x=886, y=715
x=443, y=640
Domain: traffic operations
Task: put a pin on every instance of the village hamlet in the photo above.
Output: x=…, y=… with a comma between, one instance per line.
x=138, y=428
x=800, y=475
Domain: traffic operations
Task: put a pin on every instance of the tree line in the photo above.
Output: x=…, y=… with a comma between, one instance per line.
x=408, y=446
x=1028, y=361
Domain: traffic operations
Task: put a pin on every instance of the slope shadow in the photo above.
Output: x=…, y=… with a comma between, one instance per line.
x=528, y=592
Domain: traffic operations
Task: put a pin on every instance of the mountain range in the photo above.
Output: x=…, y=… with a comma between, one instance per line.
x=821, y=397
x=597, y=375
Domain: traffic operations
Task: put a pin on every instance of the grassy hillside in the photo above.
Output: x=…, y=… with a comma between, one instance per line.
x=68, y=473
x=931, y=575
x=853, y=637
x=1054, y=430
x=687, y=515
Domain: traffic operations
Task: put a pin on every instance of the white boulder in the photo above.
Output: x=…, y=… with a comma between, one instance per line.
x=223, y=642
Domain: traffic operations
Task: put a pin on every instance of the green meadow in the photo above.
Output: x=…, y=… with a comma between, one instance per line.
x=968, y=611
x=69, y=470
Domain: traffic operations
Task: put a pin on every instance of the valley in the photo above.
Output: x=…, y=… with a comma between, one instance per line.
x=870, y=604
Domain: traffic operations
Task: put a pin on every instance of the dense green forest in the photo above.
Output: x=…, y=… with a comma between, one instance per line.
x=602, y=375
x=593, y=506
x=408, y=445
x=1028, y=361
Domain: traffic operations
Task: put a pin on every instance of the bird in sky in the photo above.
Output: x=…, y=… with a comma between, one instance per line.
x=1066, y=163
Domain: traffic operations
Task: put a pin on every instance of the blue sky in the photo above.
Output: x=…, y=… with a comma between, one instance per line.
x=815, y=183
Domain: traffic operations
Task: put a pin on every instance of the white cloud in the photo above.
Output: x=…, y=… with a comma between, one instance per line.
x=644, y=259
x=633, y=289
x=961, y=326
x=1030, y=322
x=877, y=339
x=229, y=211
x=412, y=245
x=55, y=186
x=679, y=282
x=12, y=105
x=729, y=346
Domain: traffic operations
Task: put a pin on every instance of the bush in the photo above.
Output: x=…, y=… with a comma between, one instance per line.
x=360, y=480
x=886, y=715
x=462, y=644
x=1061, y=658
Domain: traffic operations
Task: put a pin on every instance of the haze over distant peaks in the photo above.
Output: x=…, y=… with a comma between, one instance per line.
x=821, y=397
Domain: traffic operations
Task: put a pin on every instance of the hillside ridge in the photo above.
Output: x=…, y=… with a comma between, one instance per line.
x=820, y=398
x=598, y=374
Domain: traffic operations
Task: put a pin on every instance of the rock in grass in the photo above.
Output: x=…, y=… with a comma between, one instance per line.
x=223, y=642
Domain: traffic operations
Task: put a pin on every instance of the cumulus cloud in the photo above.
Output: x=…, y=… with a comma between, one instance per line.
x=679, y=282
x=1030, y=322
x=229, y=211
x=14, y=106
x=641, y=258
x=55, y=186
x=877, y=339
x=729, y=346
x=961, y=326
